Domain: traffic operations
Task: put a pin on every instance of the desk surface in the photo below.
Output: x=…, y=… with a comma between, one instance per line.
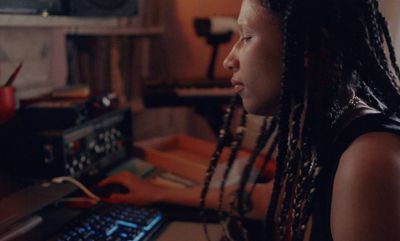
x=184, y=231
x=56, y=216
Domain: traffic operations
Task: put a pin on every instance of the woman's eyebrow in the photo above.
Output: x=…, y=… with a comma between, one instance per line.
x=241, y=27
x=244, y=27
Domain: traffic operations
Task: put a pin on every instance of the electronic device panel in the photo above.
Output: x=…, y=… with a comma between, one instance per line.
x=103, y=8
x=79, y=151
x=82, y=8
x=32, y=6
x=87, y=148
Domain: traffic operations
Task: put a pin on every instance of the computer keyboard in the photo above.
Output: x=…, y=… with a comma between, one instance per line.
x=117, y=222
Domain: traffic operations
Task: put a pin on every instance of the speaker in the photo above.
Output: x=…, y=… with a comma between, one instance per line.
x=32, y=6
x=104, y=8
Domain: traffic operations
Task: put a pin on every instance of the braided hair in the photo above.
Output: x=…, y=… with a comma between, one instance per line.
x=344, y=42
x=345, y=45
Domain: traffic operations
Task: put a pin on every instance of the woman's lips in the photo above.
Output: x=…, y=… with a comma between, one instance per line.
x=237, y=86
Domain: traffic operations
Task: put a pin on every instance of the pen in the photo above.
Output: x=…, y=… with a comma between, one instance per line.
x=14, y=75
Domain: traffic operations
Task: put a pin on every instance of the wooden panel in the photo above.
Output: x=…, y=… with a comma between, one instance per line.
x=82, y=25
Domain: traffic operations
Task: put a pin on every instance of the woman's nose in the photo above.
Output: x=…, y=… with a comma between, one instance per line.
x=231, y=63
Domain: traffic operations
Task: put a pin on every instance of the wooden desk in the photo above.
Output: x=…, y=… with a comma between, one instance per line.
x=184, y=231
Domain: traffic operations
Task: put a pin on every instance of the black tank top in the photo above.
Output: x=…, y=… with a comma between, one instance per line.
x=373, y=122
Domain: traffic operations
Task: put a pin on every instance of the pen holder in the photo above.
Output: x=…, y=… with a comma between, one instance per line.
x=7, y=103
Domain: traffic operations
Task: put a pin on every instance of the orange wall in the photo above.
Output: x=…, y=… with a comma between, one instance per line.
x=186, y=55
x=391, y=11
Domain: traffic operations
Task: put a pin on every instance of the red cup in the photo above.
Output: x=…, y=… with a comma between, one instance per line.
x=7, y=104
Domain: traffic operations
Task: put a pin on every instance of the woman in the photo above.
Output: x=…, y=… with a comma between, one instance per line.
x=320, y=69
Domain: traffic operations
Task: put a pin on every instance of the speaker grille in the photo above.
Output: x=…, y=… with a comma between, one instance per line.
x=108, y=4
x=31, y=6
x=104, y=7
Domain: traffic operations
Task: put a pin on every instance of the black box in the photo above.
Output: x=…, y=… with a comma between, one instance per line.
x=80, y=151
x=103, y=8
x=55, y=7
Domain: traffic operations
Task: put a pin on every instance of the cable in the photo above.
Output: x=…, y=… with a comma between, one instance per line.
x=78, y=184
x=79, y=199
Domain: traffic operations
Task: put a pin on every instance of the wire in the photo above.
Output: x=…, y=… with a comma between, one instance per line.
x=78, y=199
x=78, y=184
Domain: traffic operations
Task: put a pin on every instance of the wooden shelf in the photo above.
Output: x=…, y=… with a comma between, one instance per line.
x=139, y=31
x=82, y=25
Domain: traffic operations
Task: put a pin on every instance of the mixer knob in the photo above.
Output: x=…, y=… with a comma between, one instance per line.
x=98, y=149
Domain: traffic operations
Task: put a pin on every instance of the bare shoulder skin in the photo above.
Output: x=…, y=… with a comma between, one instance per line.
x=366, y=192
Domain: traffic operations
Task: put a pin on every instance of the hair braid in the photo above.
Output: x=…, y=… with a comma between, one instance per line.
x=384, y=89
x=267, y=158
x=381, y=20
x=261, y=142
x=374, y=73
x=242, y=198
x=216, y=156
x=368, y=95
x=388, y=85
x=307, y=173
x=283, y=117
x=384, y=26
x=235, y=147
x=375, y=33
x=292, y=164
x=349, y=53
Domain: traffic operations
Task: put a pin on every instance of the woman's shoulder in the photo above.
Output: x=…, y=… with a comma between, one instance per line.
x=361, y=126
x=371, y=152
x=366, y=190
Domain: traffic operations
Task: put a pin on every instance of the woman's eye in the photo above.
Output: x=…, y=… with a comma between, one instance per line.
x=245, y=39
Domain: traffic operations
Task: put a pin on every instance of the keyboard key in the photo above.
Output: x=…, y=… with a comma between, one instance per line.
x=116, y=222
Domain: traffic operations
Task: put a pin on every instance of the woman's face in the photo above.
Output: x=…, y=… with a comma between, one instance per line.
x=255, y=60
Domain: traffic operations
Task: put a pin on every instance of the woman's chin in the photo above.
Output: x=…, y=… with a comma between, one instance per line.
x=252, y=109
x=258, y=110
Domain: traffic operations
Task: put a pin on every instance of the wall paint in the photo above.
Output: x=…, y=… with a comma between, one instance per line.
x=184, y=55
x=390, y=9
x=187, y=55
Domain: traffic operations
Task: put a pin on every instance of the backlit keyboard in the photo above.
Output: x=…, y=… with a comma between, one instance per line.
x=118, y=222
